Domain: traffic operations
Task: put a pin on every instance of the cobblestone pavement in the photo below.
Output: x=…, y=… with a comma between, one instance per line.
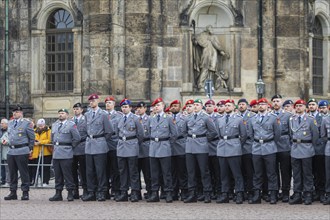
x=38, y=207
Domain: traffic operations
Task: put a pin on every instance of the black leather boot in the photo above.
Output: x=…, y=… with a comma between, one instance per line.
x=207, y=197
x=70, y=196
x=89, y=197
x=154, y=197
x=184, y=194
x=162, y=194
x=101, y=196
x=25, y=195
x=308, y=198
x=76, y=194
x=12, y=195
x=169, y=197
x=123, y=197
x=327, y=199
x=285, y=196
x=322, y=196
x=223, y=198
x=57, y=196
x=135, y=196
x=191, y=197
x=239, y=197
x=256, y=199
x=295, y=199
x=85, y=192
x=273, y=197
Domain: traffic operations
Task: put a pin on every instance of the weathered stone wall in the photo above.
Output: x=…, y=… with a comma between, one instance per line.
x=141, y=49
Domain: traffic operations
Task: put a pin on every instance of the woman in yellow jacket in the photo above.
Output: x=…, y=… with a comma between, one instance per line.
x=42, y=136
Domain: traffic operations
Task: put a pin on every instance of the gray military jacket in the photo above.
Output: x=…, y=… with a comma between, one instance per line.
x=325, y=134
x=115, y=116
x=305, y=131
x=232, y=136
x=284, y=144
x=213, y=144
x=99, y=125
x=82, y=129
x=247, y=147
x=264, y=134
x=202, y=125
x=144, y=145
x=320, y=146
x=23, y=133
x=132, y=128
x=64, y=138
x=164, y=129
x=179, y=145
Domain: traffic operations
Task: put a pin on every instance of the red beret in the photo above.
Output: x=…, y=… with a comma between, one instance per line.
x=209, y=102
x=110, y=98
x=299, y=101
x=221, y=102
x=215, y=109
x=184, y=108
x=253, y=102
x=230, y=101
x=167, y=109
x=156, y=101
x=93, y=96
x=262, y=100
x=190, y=102
x=175, y=102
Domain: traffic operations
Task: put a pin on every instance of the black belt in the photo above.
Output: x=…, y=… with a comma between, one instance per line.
x=96, y=136
x=284, y=133
x=63, y=143
x=82, y=140
x=301, y=141
x=127, y=138
x=146, y=139
x=180, y=137
x=19, y=146
x=263, y=141
x=229, y=137
x=196, y=136
x=328, y=139
x=160, y=139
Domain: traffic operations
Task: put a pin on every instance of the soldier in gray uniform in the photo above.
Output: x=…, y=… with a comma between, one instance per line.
x=213, y=159
x=304, y=134
x=144, y=160
x=79, y=158
x=283, y=148
x=65, y=137
x=199, y=129
x=265, y=130
x=21, y=140
x=162, y=130
x=130, y=132
x=318, y=159
x=99, y=130
x=179, y=169
x=247, y=164
x=232, y=134
x=112, y=167
x=325, y=134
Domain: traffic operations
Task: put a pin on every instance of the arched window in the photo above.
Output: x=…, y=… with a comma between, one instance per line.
x=317, y=58
x=59, y=52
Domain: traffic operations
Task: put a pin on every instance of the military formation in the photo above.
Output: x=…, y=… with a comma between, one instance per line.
x=244, y=151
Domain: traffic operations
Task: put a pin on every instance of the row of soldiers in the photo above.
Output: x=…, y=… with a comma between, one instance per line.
x=205, y=151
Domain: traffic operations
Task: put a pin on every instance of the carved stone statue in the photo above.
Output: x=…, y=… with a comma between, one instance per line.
x=208, y=59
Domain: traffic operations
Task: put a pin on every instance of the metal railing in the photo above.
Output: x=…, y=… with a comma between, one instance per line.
x=39, y=165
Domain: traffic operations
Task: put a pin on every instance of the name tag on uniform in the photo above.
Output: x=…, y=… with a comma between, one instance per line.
x=56, y=143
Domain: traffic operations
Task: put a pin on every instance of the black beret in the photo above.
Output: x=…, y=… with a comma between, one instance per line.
x=242, y=100
x=287, y=102
x=141, y=104
x=277, y=96
x=77, y=105
x=17, y=108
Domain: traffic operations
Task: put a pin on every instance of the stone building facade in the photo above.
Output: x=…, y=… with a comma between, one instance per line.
x=142, y=49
